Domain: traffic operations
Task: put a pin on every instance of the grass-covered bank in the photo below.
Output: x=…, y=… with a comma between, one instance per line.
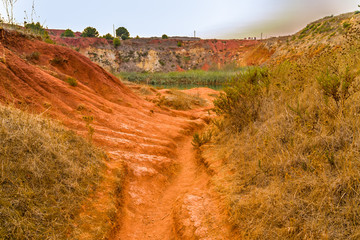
x=193, y=77
x=285, y=148
x=46, y=173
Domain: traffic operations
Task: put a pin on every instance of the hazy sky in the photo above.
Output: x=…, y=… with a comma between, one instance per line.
x=210, y=18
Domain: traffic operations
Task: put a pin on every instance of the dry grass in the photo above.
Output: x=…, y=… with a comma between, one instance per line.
x=293, y=171
x=46, y=173
x=178, y=100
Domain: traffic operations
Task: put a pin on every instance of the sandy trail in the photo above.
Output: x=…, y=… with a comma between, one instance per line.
x=174, y=210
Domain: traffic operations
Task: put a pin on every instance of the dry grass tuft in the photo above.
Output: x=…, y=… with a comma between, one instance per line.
x=46, y=173
x=179, y=100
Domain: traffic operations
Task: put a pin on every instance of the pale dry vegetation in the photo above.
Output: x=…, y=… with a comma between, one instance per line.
x=178, y=100
x=46, y=174
x=286, y=148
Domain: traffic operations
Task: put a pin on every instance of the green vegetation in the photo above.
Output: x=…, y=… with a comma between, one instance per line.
x=193, y=77
x=241, y=98
x=46, y=174
x=201, y=139
x=116, y=42
x=179, y=44
x=90, y=32
x=108, y=36
x=123, y=33
x=286, y=140
x=346, y=25
x=68, y=33
x=38, y=29
x=164, y=36
x=72, y=81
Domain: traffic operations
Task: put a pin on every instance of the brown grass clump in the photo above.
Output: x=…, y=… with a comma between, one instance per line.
x=46, y=173
x=179, y=100
x=288, y=150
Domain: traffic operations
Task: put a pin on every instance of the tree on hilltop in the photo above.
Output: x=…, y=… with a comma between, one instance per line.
x=68, y=33
x=90, y=32
x=123, y=33
x=108, y=36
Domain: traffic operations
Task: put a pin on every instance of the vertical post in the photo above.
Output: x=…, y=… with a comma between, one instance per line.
x=194, y=34
x=114, y=30
x=261, y=35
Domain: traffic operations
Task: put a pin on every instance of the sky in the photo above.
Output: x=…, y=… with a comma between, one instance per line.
x=209, y=18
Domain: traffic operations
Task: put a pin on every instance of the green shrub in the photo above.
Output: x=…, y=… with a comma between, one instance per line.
x=201, y=139
x=162, y=63
x=346, y=25
x=68, y=33
x=179, y=43
x=108, y=36
x=241, y=100
x=336, y=83
x=72, y=81
x=116, y=42
x=36, y=28
x=164, y=36
x=90, y=32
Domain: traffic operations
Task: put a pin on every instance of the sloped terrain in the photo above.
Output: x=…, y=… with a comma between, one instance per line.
x=163, y=55
x=142, y=140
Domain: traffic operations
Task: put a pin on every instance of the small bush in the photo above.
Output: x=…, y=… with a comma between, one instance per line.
x=240, y=101
x=108, y=36
x=162, y=63
x=179, y=43
x=346, y=25
x=116, y=42
x=201, y=139
x=68, y=33
x=164, y=36
x=33, y=56
x=72, y=81
x=337, y=84
x=57, y=60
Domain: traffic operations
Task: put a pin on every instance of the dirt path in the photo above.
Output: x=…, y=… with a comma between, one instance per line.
x=185, y=208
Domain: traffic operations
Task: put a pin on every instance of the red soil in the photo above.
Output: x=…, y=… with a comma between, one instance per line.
x=166, y=195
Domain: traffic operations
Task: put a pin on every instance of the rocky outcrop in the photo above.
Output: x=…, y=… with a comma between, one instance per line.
x=165, y=55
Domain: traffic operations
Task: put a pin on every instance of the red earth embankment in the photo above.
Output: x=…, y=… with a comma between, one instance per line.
x=140, y=137
x=173, y=54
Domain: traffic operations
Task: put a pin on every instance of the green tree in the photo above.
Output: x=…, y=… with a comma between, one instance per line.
x=90, y=32
x=123, y=33
x=116, y=42
x=164, y=36
x=108, y=36
x=68, y=33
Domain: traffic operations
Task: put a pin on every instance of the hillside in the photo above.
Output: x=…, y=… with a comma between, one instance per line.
x=279, y=161
x=284, y=148
x=141, y=139
x=163, y=55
